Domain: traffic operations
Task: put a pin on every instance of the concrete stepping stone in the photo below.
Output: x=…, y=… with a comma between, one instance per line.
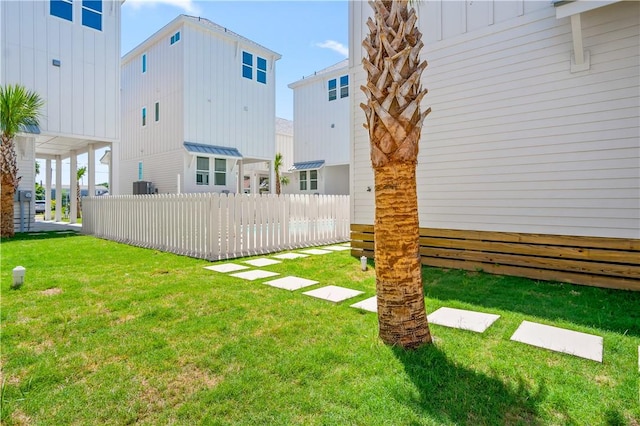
x=463, y=319
x=290, y=256
x=256, y=274
x=336, y=248
x=263, y=261
x=558, y=339
x=370, y=304
x=226, y=267
x=291, y=283
x=316, y=251
x=333, y=293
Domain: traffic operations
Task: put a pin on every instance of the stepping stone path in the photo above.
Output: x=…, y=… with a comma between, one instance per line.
x=560, y=340
x=370, y=304
x=290, y=256
x=583, y=345
x=255, y=274
x=336, y=248
x=263, y=261
x=291, y=283
x=463, y=319
x=226, y=267
x=316, y=251
x=333, y=293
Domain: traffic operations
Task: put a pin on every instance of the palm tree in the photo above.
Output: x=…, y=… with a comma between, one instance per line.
x=394, y=122
x=19, y=107
x=80, y=174
x=280, y=180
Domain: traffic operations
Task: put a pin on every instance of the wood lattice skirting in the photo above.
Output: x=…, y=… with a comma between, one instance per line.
x=594, y=261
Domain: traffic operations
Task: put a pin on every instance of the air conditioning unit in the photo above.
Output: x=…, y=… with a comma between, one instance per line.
x=142, y=187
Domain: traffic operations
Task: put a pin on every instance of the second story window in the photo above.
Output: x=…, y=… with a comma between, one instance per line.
x=144, y=116
x=344, y=86
x=92, y=14
x=157, y=111
x=261, y=72
x=175, y=38
x=144, y=63
x=333, y=90
x=247, y=65
x=62, y=9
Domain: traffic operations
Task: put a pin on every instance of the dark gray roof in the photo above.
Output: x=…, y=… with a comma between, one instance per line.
x=223, y=151
x=307, y=165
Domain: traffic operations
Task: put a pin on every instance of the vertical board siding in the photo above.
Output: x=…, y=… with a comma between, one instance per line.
x=516, y=142
x=218, y=226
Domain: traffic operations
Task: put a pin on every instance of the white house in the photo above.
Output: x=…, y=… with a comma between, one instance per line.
x=533, y=137
x=69, y=53
x=198, y=103
x=321, y=131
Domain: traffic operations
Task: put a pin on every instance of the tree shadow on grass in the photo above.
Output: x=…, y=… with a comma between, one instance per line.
x=42, y=235
x=452, y=393
x=606, y=309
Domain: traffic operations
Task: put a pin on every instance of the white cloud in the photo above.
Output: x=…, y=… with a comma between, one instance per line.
x=335, y=46
x=188, y=6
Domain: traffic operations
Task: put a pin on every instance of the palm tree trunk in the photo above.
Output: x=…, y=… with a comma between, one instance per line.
x=401, y=311
x=9, y=182
x=278, y=186
x=394, y=121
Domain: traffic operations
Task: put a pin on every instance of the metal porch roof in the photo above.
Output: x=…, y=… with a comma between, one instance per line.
x=222, y=151
x=307, y=165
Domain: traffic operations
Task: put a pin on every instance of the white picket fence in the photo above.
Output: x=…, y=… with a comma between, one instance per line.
x=218, y=226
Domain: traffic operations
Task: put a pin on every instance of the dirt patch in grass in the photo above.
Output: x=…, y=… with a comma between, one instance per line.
x=51, y=291
x=19, y=418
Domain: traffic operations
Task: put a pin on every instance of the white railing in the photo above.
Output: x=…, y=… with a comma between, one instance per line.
x=218, y=226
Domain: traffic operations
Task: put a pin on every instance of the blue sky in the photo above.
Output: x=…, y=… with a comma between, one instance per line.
x=310, y=36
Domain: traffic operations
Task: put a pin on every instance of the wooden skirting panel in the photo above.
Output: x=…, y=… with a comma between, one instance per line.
x=594, y=261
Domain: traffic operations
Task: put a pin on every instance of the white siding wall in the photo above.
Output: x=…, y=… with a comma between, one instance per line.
x=82, y=96
x=336, y=180
x=220, y=106
x=516, y=142
x=313, y=117
x=159, y=142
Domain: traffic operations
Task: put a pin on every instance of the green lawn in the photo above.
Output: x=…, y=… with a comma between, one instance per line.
x=104, y=333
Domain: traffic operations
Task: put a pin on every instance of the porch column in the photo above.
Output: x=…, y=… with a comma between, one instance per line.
x=91, y=170
x=58, y=188
x=47, y=190
x=73, y=185
x=114, y=169
x=240, y=182
x=272, y=177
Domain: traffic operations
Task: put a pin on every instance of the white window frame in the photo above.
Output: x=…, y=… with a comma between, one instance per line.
x=205, y=173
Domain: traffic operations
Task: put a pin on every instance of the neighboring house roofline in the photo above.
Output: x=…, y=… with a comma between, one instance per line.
x=204, y=23
x=335, y=69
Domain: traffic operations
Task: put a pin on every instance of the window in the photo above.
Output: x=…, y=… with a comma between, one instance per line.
x=144, y=63
x=175, y=38
x=202, y=171
x=220, y=170
x=313, y=180
x=92, y=14
x=139, y=170
x=247, y=65
x=157, y=111
x=303, y=180
x=344, y=86
x=62, y=9
x=261, y=73
x=333, y=92
x=144, y=116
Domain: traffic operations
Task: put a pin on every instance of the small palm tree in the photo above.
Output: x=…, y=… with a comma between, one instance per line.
x=19, y=107
x=394, y=121
x=80, y=174
x=280, y=180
